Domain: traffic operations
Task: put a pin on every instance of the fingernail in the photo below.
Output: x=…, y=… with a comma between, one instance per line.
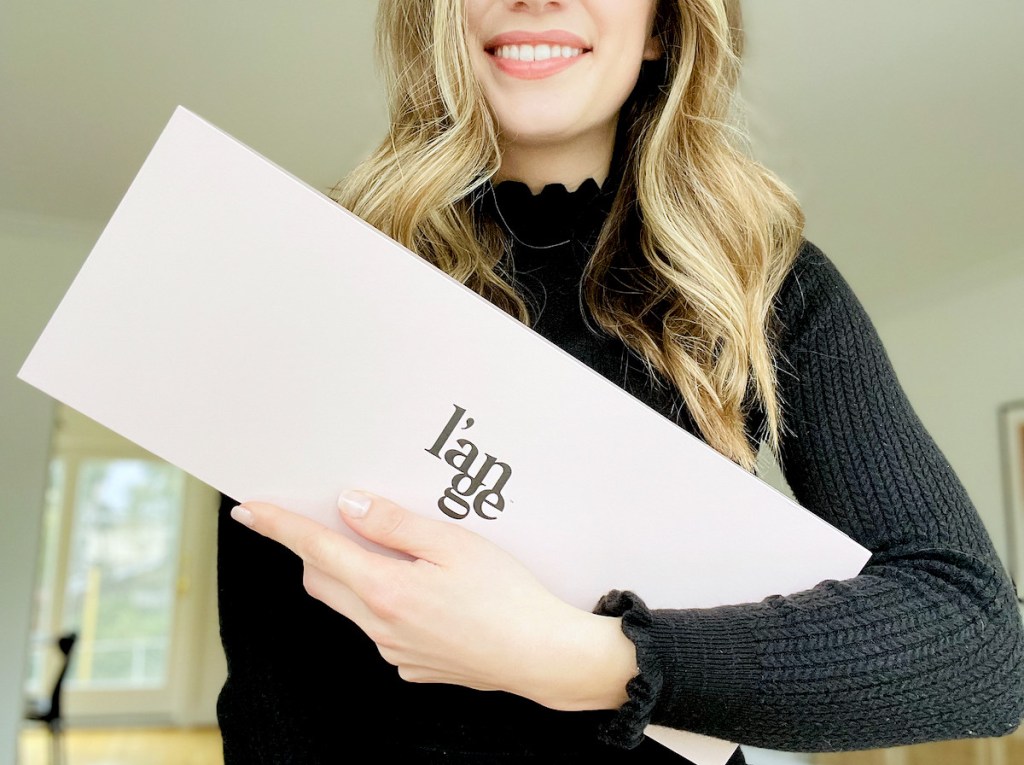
x=354, y=504
x=242, y=514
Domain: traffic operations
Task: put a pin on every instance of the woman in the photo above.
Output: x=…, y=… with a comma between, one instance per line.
x=571, y=161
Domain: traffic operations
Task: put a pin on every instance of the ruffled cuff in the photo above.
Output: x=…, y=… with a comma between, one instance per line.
x=626, y=728
x=699, y=669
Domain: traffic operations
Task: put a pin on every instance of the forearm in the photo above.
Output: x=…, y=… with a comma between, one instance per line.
x=887, y=658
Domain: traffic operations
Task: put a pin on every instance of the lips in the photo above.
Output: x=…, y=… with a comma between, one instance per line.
x=550, y=37
x=535, y=55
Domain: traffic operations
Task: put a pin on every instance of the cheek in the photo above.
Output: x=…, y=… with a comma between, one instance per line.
x=622, y=72
x=478, y=58
x=472, y=9
x=475, y=16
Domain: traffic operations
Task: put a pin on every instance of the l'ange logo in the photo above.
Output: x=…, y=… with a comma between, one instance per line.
x=468, y=487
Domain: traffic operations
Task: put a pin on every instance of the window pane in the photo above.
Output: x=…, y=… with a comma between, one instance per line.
x=122, y=573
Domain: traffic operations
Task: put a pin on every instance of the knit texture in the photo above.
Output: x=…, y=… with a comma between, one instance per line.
x=925, y=644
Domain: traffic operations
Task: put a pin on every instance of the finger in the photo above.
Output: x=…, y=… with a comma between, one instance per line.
x=317, y=545
x=339, y=597
x=382, y=521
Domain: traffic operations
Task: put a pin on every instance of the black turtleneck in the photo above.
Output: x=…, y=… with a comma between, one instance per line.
x=925, y=644
x=551, y=236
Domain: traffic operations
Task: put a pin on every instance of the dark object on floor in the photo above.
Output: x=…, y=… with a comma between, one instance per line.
x=48, y=710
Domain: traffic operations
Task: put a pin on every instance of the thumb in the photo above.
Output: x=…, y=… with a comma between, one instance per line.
x=389, y=525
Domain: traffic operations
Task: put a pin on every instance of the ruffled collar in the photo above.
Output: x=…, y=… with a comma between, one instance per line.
x=554, y=216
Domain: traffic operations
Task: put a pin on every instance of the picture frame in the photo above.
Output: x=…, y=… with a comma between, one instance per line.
x=1011, y=428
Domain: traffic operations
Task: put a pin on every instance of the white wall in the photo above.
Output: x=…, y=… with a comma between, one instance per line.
x=38, y=259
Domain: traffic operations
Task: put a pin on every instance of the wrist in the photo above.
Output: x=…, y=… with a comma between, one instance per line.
x=598, y=662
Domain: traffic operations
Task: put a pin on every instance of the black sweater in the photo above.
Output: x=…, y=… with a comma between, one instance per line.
x=925, y=644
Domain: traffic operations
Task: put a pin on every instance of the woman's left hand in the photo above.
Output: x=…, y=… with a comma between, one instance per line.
x=462, y=611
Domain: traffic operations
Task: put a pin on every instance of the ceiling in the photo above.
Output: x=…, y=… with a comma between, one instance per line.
x=899, y=124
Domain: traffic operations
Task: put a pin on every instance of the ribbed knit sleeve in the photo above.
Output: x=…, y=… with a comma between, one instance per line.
x=925, y=644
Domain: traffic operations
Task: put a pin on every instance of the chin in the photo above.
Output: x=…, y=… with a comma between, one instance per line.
x=534, y=136
x=542, y=113
x=541, y=127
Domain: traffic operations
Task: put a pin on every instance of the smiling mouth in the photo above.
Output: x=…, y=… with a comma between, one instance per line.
x=535, y=56
x=539, y=52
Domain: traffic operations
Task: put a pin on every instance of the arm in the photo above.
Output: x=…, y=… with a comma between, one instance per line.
x=925, y=644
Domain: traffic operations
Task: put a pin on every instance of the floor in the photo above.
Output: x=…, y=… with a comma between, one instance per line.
x=202, y=746
x=128, y=746
x=146, y=746
x=766, y=757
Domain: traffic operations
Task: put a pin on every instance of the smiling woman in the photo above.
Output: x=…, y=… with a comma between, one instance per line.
x=599, y=196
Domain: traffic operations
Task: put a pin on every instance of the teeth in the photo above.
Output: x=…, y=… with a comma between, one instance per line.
x=536, y=52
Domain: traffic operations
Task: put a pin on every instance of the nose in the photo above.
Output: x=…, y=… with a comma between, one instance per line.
x=536, y=5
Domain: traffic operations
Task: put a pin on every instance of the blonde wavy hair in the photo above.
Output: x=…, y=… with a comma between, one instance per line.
x=699, y=239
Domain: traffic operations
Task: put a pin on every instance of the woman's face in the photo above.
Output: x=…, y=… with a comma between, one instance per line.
x=554, y=71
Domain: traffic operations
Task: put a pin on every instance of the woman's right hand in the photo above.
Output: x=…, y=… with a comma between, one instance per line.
x=462, y=611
